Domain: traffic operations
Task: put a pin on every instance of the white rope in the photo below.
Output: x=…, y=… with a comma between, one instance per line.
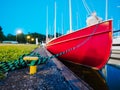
x=86, y=7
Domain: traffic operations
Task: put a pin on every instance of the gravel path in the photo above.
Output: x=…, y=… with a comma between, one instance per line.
x=48, y=77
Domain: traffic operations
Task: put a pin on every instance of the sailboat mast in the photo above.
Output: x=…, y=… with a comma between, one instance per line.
x=70, y=13
x=62, y=23
x=77, y=19
x=55, y=22
x=47, y=25
x=106, y=10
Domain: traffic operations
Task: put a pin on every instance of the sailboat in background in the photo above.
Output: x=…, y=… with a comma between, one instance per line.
x=90, y=46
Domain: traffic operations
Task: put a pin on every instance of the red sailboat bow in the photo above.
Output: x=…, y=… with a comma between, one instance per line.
x=90, y=46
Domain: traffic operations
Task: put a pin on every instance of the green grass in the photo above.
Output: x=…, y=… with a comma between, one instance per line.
x=10, y=52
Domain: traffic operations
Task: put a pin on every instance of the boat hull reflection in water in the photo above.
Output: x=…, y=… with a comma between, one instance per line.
x=107, y=79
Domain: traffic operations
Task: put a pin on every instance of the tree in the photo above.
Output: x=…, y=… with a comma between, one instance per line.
x=11, y=37
x=41, y=37
x=21, y=38
x=2, y=36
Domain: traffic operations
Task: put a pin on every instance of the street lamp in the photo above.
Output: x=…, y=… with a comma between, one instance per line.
x=28, y=38
x=19, y=31
x=32, y=39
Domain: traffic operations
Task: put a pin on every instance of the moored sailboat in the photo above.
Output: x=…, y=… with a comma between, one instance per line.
x=90, y=46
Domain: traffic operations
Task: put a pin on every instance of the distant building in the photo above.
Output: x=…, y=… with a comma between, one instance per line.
x=9, y=42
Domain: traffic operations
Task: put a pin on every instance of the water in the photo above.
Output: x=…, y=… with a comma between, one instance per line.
x=107, y=79
x=113, y=77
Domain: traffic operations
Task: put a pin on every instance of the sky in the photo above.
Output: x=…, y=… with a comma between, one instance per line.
x=31, y=15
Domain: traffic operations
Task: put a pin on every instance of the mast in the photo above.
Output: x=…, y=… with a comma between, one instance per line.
x=47, y=25
x=106, y=17
x=119, y=28
x=106, y=10
x=70, y=13
x=55, y=22
x=77, y=19
x=62, y=23
x=118, y=20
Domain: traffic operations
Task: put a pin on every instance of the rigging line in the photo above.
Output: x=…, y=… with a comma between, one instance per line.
x=86, y=7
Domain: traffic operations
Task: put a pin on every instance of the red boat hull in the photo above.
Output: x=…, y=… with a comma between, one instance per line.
x=92, y=45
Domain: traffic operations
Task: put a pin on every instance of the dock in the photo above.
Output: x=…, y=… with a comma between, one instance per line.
x=53, y=75
x=115, y=53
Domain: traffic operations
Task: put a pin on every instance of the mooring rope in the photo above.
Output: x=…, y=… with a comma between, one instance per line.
x=20, y=63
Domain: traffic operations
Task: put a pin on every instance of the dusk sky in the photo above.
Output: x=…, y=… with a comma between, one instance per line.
x=30, y=15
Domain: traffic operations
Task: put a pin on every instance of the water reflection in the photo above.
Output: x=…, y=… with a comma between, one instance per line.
x=113, y=76
x=107, y=79
x=90, y=76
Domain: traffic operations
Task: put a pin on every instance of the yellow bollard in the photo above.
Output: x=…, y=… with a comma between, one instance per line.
x=30, y=58
x=33, y=69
